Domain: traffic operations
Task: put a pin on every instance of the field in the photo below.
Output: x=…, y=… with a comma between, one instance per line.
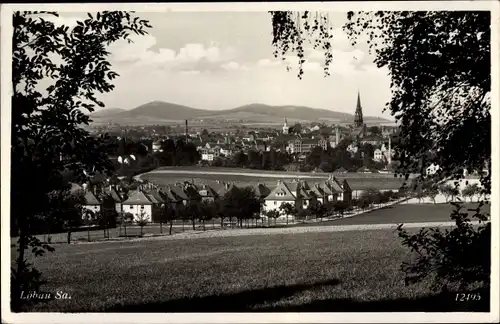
x=164, y=176
x=395, y=214
x=403, y=213
x=338, y=271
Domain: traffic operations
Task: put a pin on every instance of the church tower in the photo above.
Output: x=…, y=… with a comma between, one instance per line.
x=358, y=115
x=285, y=127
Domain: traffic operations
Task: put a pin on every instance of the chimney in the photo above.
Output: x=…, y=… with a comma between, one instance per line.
x=279, y=182
x=186, y=131
x=337, y=136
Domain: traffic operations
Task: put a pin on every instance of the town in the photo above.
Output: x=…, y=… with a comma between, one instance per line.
x=185, y=159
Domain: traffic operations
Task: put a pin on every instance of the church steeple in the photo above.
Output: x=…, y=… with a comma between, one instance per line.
x=285, y=127
x=358, y=115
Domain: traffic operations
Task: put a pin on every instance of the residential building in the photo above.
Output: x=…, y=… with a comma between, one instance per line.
x=373, y=140
x=92, y=203
x=378, y=156
x=301, y=194
x=300, y=145
x=138, y=203
x=157, y=146
x=206, y=193
x=112, y=199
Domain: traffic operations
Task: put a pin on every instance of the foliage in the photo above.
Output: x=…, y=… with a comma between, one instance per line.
x=432, y=192
x=288, y=209
x=292, y=29
x=167, y=215
x=273, y=214
x=241, y=203
x=177, y=153
x=340, y=207
x=445, y=117
x=50, y=101
x=456, y=259
x=141, y=219
x=448, y=191
x=470, y=191
x=318, y=210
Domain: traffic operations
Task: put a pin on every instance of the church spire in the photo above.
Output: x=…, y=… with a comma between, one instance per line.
x=358, y=115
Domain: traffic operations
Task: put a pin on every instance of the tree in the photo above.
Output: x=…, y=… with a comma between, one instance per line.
x=318, y=210
x=125, y=219
x=297, y=128
x=456, y=259
x=419, y=48
x=193, y=212
x=240, y=203
x=424, y=94
x=446, y=190
x=375, y=130
x=470, y=191
x=106, y=218
x=208, y=211
x=168, y=214
x=432, y=192
x=46, y=134
x=340, y=207
x=67, y=206
x=273, y=214
x=288, y=209
x=141, y=219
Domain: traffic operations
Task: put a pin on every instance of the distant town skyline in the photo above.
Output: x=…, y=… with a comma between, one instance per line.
x=222, y=60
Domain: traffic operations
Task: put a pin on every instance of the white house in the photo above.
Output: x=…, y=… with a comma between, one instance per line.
x=280, y=195
x=301, y=194
x=157, y=146
x=377, y=155
x=137, y=204
x=92, y=203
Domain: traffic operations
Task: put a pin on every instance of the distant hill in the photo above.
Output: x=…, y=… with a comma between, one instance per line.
x=292, y=112
x=107, y=112
x=159, y=111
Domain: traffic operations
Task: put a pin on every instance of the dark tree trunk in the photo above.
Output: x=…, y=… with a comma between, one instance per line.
x=69, y=236
x=170, y=229
x=194, y=226
x=161, y=227
x=88, y=232
x=203, y=221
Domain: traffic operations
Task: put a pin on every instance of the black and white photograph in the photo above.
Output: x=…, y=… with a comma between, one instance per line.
x=250, y=162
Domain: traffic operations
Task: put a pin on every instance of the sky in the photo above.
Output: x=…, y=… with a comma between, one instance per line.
x=222, y=60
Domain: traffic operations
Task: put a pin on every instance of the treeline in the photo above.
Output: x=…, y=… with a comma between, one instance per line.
x=332, y=159
x=253, y=159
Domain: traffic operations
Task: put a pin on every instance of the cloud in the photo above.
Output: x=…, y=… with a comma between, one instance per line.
x=69, y=21
x=192, y=56
x=268, y=63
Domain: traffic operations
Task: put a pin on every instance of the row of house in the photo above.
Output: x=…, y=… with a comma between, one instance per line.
x=302, y=194
x=148, y=200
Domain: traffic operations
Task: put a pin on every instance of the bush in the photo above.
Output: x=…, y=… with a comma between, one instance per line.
x=455, y=260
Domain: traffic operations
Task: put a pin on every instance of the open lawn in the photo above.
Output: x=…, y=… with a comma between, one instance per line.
x=321, y=272
x=357, y=181
x=403, y=213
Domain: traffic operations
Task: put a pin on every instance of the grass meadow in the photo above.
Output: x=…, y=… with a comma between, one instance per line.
x=320, y=272
x=269, y=178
